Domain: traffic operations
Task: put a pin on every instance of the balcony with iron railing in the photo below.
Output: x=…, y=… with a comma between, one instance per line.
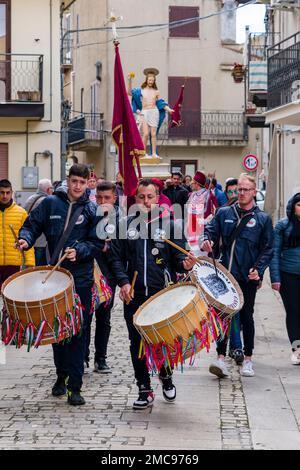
x=284, y=72
x=21, y=85
x=86, y=131
x=67, y=53
x=206, y=127
x=257, y=76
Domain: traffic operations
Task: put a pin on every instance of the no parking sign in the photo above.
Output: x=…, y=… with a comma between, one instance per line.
x=250, y=162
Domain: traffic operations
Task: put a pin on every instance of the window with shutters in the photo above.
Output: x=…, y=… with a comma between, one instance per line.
x=3, y=161
x=189, y=29
x=191, y=107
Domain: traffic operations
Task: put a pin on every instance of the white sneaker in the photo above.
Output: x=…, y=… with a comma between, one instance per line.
x=295, y=357
x=247, y=369
x=219, y=368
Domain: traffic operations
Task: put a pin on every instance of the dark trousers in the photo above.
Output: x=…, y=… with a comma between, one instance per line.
x=139, y=365
x=290, y=294
x=102, y=331
x=69, y=357
x=40, y=256
x=249, y=290
x=6, y=272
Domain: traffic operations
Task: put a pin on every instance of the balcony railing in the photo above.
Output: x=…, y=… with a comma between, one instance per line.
x=21, y=78
x=208, y=125
x=88, y=127
x=284, y=71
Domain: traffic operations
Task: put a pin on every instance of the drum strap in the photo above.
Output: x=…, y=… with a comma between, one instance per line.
x=239, y=227
x=66, y=235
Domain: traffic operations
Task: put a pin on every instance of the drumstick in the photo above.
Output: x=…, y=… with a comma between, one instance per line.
x=58, y=263
x=213, y=255
x=55, y=267
x=17, y=243
x=131, y=293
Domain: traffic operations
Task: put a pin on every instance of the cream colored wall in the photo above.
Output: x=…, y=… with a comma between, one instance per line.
x=179, y=56
x=200, y=57
x=84, y=60
x=225, y=162
x=85, y=57
x=30, y=21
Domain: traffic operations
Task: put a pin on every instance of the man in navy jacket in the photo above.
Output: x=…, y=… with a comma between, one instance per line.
x=52, y=217
x=156, y=263
x=246, y=257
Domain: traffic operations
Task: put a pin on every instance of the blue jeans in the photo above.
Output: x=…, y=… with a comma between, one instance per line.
x=235, y=333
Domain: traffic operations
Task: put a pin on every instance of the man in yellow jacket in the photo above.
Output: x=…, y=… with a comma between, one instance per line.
x=11, y=214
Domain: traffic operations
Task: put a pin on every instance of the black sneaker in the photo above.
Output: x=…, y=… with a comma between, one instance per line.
x=101, y=367
x=168, y=388
x=237, y=355
x=59, y=389
x=145, y=399
x=75, y=399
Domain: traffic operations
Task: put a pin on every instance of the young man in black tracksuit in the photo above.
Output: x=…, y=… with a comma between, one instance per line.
x=52, y=218
x=137, y=250
x=246, y=256
x=109, y=213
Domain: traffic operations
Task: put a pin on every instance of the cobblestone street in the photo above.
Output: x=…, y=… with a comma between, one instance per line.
x=261, y=412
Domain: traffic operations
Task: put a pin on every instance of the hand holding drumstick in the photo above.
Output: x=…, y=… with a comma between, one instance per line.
x=127, y=291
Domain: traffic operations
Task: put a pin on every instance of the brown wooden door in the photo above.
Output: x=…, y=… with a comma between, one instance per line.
x=3, y=161
x=191, y=109
x=186, y=167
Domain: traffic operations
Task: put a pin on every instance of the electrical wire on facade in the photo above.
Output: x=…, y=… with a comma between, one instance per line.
x=153, y=27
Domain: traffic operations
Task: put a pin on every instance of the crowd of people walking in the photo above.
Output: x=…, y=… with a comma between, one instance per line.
x=66, y=216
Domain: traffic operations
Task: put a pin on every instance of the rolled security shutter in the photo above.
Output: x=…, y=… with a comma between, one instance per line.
x=3, y=161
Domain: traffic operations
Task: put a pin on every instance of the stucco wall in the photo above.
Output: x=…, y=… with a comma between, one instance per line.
x=30, y=34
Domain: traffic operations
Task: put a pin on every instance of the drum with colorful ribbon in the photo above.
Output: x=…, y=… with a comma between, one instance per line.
x=36, y=312
x=175, y=324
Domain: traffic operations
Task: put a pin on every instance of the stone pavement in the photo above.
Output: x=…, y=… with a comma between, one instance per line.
x=262, y=412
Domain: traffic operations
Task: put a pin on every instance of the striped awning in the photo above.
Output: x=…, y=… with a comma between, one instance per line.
x=258, y=75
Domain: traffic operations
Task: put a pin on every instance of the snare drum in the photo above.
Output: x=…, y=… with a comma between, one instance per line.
x=222, y=292
x=173, y=324
x=37, y=313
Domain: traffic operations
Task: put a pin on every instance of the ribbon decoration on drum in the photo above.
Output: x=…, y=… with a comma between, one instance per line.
x=101, y=291
x=175, y=324
x=36, y=313
x=183, y=319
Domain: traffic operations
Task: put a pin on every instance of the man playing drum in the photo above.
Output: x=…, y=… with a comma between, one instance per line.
x=247, y=249
x=53, y=217
x=140, y=249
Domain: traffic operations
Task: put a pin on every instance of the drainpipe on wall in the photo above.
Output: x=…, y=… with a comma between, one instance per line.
x=51, y=86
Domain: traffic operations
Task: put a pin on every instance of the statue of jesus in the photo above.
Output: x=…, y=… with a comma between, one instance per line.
x=150, y=108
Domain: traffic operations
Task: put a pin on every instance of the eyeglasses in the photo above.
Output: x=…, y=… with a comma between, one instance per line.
x=245, y=190
x=232, y=191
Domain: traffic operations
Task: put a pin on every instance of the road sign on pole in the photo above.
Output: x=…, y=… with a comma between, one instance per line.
x=250, y=162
